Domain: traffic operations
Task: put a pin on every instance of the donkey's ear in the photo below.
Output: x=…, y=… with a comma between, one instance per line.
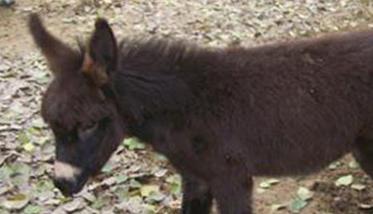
x=60, y=56
x=101, y=55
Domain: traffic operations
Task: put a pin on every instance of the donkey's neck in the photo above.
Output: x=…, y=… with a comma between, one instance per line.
x=154, y=82
x=152, y=94
x=159, y=75
x=147, y=99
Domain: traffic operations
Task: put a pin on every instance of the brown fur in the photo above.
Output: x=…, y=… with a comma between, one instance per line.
x=224, y=115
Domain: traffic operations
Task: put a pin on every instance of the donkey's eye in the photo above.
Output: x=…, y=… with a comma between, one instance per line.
x=87, y=131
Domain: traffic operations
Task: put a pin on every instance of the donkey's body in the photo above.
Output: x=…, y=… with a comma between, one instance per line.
x=221, y=116
x=274, y=110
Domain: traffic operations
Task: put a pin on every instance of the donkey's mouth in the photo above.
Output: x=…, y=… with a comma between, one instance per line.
x=68, y=187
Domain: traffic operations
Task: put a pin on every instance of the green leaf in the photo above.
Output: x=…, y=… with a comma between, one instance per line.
x=304, y=193
x=20, y=173
x=133, y=144
x=29, y=147
x=297, y=205
x=147, y=189
x=5, y=172
x=39, y=123
x=149, y=209
x=98, y=203
x=175, y=182
x=344, y=181
x=44, y=185
x=32, y=209
x=33, y=131
x=121, y=179
x=23, y=138
x=42, y=140
x=21, y=168
x=155, y=197
x=3, y=211
x=175, y=178
x=135, y=184
x=176, y=188
x=160, y=157
x=107, y=168
x=122, y=193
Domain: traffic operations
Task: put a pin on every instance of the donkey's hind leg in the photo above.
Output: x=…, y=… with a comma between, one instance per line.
x=233, y=194
x=363, y=153
x=197, y=198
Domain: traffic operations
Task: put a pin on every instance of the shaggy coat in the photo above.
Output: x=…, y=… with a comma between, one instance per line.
x=220, y=115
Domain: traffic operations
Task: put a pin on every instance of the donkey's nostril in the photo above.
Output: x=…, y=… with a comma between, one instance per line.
x=65, y=186
x=71, y=185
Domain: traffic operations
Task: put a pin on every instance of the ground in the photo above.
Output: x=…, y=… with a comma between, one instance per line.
x=137, y=180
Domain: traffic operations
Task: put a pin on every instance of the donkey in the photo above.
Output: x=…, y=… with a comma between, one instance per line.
x=220, y=115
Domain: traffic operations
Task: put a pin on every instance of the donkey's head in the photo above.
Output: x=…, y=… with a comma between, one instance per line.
x=79, y=105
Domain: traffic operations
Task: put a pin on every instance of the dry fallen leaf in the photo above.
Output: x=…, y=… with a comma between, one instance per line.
x=344, y=180
x=16, y=202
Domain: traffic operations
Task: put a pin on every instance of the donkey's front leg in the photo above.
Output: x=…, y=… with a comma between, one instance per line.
x=197, y=198
x=233, y=194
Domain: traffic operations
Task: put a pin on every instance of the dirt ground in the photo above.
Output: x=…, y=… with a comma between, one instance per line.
x=137, y=180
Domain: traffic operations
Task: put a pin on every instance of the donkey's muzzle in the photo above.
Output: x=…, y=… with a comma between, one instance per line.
x=68, y=178
x=69, y=187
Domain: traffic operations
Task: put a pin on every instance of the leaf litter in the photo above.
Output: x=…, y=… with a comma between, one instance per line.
x=136, y=180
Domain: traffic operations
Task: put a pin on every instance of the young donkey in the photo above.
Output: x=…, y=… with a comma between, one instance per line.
x=221, y=116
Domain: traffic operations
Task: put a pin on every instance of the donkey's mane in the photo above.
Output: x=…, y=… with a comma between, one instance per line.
x=175, y=49
x=161, y=55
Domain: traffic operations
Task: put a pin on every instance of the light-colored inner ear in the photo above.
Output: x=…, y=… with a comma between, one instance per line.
x=88, y=64
x=95, y=71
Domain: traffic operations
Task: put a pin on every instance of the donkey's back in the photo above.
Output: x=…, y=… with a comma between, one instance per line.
x=303, y=104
